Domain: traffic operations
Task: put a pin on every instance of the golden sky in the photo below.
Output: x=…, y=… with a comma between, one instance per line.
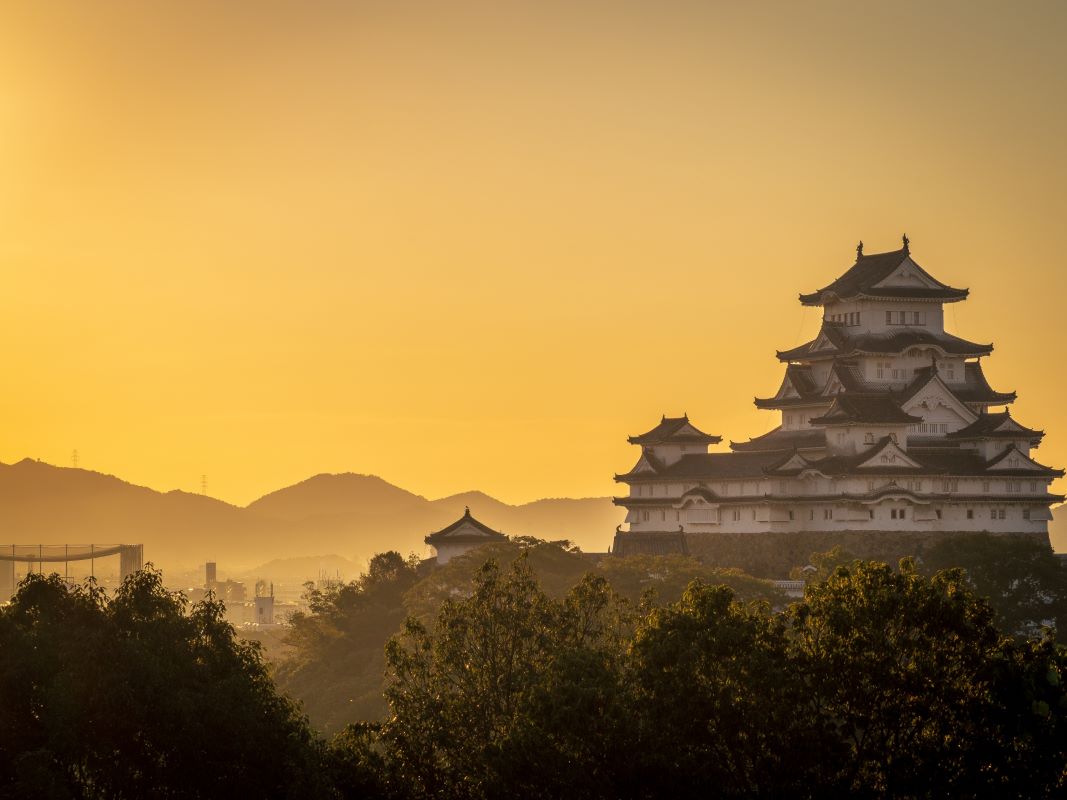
x=475, y=245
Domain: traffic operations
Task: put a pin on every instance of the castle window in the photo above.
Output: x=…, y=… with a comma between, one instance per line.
x=871, y=512
x=1033, y=486
x=811, y=514
x=644, y=516
x=970, y=513
x=938, y=512
x=792, y=516
x=889, y=318
x=827, y=513
x=985, y=486
x=1026, y=513
x=737, y=515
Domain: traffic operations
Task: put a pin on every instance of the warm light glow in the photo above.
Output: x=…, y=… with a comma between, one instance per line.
x=471, y=245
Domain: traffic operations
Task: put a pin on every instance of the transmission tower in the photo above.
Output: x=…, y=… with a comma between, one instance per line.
x=74, y=459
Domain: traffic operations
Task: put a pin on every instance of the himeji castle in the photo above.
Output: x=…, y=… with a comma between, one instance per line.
x=886, y=423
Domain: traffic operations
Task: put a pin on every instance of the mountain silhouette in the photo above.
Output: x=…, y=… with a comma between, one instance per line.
x=351, y=515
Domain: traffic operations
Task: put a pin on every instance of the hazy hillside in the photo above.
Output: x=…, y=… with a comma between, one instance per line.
x=350, y=515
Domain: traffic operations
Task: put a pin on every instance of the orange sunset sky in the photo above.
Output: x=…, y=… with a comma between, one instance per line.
x=475, y=245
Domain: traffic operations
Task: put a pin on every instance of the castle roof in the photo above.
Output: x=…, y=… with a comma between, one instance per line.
x=868, y=276
x=780, y=439
x=996, y=426
x=465, y=529
x=834, y=340
x=674, y=430
x=850, y=409
x=953, y=461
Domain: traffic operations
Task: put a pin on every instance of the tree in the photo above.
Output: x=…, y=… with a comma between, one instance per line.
x=925, y=695
x=511, y=693
x=1023, y=581
x=718, y=699
x=337, y=664
x=140, y=696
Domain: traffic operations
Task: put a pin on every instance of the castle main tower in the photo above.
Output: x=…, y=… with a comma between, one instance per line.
x=885, y=423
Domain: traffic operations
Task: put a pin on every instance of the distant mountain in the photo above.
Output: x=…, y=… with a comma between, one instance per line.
x=351, y=515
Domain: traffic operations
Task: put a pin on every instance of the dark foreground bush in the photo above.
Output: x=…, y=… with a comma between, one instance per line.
x=881, y=683
x=138, y=696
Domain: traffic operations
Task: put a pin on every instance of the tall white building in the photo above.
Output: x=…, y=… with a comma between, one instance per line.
x=886, y=423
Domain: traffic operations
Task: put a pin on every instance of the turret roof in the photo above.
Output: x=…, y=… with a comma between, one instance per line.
x=863, y=277
x=996, y=426
x=847, y=409
x=465, y=529
x=674, y=429
x=835, y=340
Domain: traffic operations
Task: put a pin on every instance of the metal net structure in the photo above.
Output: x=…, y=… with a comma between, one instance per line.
x=72, y=561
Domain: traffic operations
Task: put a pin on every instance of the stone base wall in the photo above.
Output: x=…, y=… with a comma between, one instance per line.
x=772, y=555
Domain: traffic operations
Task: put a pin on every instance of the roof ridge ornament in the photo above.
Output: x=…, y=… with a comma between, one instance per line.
x=466, y=511
x=907, y=244
x=859, y=250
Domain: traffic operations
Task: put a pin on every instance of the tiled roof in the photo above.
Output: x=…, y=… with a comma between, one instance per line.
x=484, y=531
x=859, y=408
x=757, y=464
x=985, y=427
x=670, y=429
x=709, y=465
x=778, y=440
x=841, y=343
x=870, y=270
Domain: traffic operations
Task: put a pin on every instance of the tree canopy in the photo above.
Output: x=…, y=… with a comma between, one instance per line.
x=140, y=696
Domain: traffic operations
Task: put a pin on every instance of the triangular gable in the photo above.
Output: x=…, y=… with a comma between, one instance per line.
x=934, y=394
x=1009, y=425
x=466, y=529
x=907, y=275
x=787, y=390
x=1014, y=459
x=645, y=464
x=822, y=342
x=686, y=430
x=796, y=461
x=891, y=456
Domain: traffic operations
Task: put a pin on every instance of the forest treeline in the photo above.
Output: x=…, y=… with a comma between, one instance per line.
x=881, y=682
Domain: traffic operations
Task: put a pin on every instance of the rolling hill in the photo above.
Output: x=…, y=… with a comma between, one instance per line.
x=352, y=515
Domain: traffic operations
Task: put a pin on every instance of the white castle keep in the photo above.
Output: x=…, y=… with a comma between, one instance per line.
x=887, y=424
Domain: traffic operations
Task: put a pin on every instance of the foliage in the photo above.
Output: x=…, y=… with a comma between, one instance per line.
x=668, y=577
x=337, y=663
x=881, y=683
x=514, y=692
x=139, y=696
x=1024, y=582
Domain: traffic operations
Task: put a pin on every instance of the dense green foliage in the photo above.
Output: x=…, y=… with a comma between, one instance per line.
x=1020, y=577
x=338, y=647
x=138, y=696
x=881, y=683
x=336, y=666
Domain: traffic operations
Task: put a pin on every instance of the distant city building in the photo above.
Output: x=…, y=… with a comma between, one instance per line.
x=264, y=604
x=886, y=423
x=461, y=537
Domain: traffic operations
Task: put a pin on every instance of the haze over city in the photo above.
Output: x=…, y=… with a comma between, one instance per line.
x=474, y=245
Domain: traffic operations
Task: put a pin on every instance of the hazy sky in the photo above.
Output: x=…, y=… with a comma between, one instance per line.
x=476, y=245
